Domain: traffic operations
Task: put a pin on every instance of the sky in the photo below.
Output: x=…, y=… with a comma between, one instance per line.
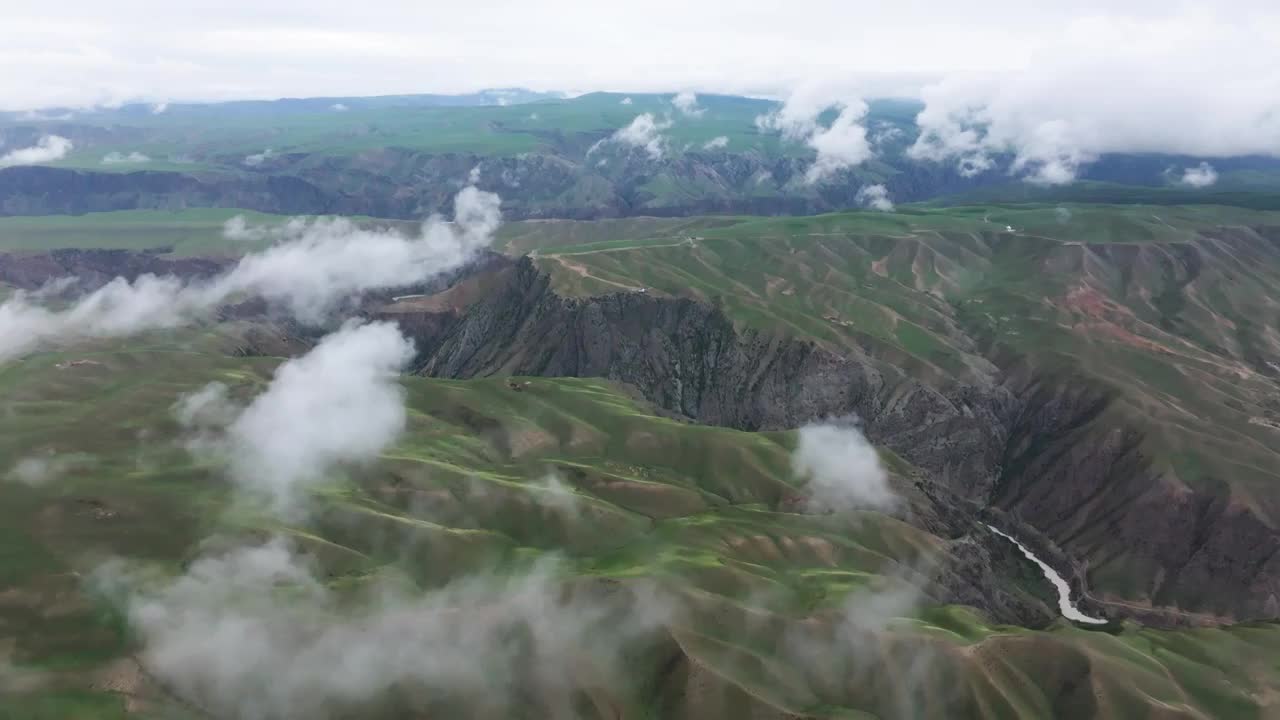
x=83, y=52
x=1052, y=85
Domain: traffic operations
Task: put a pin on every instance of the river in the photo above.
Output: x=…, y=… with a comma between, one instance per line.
x=1068, y=609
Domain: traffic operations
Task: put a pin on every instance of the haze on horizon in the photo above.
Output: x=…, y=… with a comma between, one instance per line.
x=107, y=53
x=1054, y=87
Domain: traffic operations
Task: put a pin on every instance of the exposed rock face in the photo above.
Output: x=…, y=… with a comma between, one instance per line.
x=688, y=357
x=397, y=183
x=1038, y=446
x=1088, y=484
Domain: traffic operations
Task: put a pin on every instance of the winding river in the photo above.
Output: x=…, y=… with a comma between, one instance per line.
x=1068, y=609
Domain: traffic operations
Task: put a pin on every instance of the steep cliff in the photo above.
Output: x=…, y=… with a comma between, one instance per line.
x=1052, y=447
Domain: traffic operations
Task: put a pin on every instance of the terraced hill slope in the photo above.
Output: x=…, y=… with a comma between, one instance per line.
x=595, y=496
x=1108, y=374
x=759, y=609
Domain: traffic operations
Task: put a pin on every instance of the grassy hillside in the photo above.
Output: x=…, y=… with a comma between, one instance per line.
x=702, y=510
x=1168, y=314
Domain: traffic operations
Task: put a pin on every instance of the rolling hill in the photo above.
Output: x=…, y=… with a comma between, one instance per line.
x=404, y=156
x=595, y=497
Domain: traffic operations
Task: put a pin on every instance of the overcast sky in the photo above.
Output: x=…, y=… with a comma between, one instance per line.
x=78, y=52
x=1054, y=85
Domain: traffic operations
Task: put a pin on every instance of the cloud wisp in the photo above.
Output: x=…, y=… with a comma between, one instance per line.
x=841, y=469
x=645, y=132
x=47, y=149
x=314, y=269
x=875, y=197
x=839, y=145
x=119, y=158
x=256, y=159
x=1200, y=176
x=687, y=103
x=41, y=469
x=254, y=633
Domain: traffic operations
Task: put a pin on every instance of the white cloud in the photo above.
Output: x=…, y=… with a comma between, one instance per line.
x=339, y=107
x=716, y=143
x=386, y=47
x=644, y=132
x=625, y=101
x=842, y=144
x=885, y=134
x=208, y=407
x=47, y=149
x=1200, y=176
x=317, y=266
x=841, y=469
x=555, y=493
x=159, y=108
x=257, y=159
x=1189, y=83
x=117, y=158
x=337, y=405
x=237, y=228
x=875, y=197
x=255, y=632
x=687, y=103
x=37, y=470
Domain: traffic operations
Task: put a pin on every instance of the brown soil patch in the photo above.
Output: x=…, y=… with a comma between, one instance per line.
x=582, y=271
x=523, y=442
x=124, y=677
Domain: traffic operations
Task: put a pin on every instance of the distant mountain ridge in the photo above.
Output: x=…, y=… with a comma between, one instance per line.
x=547, y=156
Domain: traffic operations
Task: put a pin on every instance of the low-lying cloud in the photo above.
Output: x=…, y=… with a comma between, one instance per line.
x=841, y=469
x=118, y=158
x=716, y=143
x=257, y=159
x=1110, y=85
x=253, y=633
x=687, y=103
x=1200, y=176
x=875, y=197
x=42, y=469
x=237, y=228
x=645, y=131
x=337, y=405
x=839, y=145
x=555, y=493
x=317, y=266
x=47, y=149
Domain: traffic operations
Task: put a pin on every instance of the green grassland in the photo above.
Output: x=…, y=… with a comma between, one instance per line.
x=703, y=510
x=188, y=232
x=202, y=138
x=185, y=232
x=1168, y=311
